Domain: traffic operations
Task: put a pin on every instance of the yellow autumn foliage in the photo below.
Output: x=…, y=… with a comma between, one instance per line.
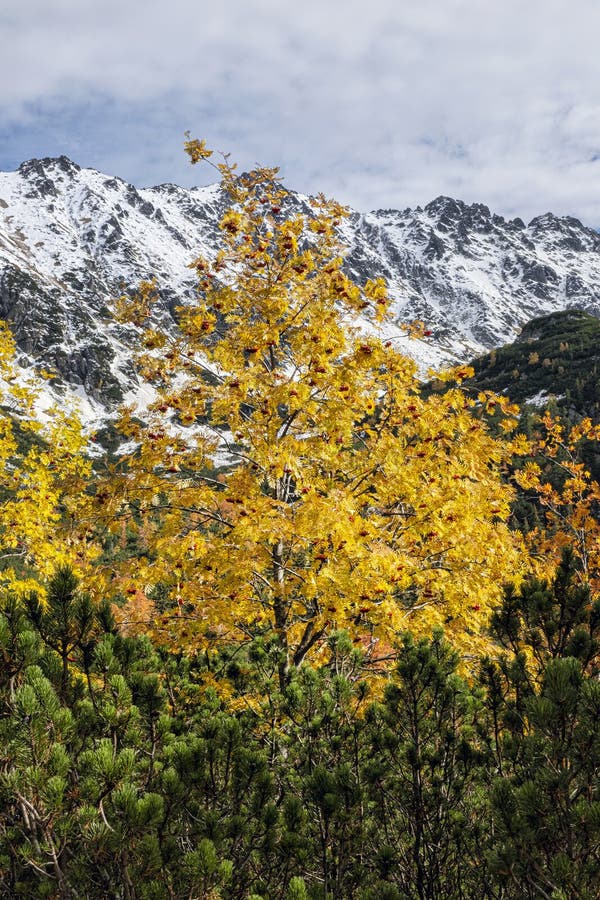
x=560, y=482
x=43, y=475
x=291, y=477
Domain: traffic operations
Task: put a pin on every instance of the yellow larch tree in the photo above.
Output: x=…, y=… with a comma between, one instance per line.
x=290, y=477
x=44, y=472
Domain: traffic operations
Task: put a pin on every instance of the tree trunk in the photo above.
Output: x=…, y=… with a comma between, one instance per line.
x=280, y=612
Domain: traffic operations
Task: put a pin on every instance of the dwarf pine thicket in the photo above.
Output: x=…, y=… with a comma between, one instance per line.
x=142, y=772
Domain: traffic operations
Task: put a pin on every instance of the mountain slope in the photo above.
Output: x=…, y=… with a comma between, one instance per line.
x=554, y=356
x=73, y=239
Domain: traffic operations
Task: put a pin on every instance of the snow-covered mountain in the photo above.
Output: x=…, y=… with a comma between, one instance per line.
x=73, y=239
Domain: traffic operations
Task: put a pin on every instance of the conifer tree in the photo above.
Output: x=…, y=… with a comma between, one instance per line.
x=551, y=618
x=546, y=805
x=67, y=621
x=423, y=772
x=543, y=698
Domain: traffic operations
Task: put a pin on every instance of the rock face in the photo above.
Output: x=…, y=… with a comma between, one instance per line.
x=73, y=239
x=474, y=277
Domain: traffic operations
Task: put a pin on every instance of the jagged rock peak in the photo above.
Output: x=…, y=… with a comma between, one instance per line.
x=547, y=222
x=446, y=206
x=567, y=231
x=53, y=163
x=456, y=217
x=451, y=208
x=167, y=187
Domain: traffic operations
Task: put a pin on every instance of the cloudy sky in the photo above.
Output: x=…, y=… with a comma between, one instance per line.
x=381, y=103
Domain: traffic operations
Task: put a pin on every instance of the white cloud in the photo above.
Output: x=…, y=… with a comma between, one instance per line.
x=386, y=103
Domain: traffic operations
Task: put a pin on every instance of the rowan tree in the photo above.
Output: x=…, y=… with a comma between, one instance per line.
x=290, y=476
x=43, y=474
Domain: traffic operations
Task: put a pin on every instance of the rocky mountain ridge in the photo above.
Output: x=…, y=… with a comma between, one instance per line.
x=73, y=239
